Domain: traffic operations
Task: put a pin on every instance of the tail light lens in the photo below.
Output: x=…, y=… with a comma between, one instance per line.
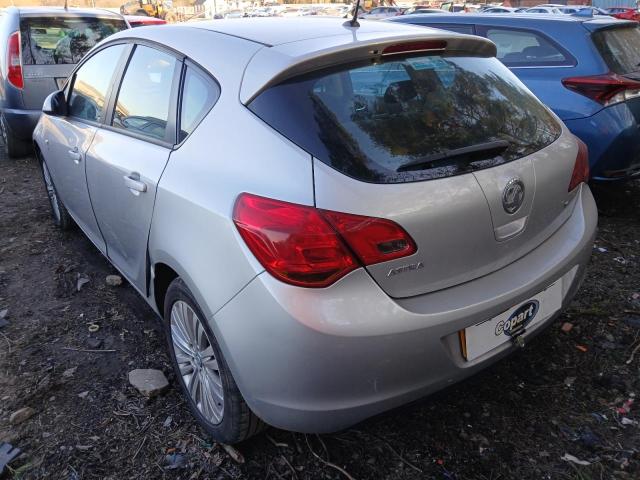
x=309, y=247
x=14, y=61
x=605, y=89
x=581, y=168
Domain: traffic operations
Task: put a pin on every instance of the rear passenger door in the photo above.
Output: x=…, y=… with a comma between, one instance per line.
x=129, y=153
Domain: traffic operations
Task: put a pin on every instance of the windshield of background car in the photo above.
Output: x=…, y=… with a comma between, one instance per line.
x=620, y=48
x=63, y=40
x=368, y=121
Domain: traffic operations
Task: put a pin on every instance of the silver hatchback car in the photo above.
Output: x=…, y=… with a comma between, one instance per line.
x=331, y=220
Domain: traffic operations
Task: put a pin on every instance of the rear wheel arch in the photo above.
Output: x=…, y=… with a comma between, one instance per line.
x=162, y=278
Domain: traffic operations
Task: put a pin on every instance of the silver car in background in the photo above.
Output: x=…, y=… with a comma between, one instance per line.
x=332, y=221
x=39, y=47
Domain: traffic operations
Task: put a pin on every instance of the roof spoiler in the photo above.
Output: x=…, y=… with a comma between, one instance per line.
x=273, y=65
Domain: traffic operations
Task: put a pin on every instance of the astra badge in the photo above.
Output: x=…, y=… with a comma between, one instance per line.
x=513, y=195
x=405, y=268
x=518, y=320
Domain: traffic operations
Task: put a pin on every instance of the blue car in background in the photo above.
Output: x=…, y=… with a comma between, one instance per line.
x=586, y=69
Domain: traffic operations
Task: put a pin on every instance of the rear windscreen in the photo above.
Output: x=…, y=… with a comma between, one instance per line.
x=620, y=48
x=410, y=119
x=63, y=40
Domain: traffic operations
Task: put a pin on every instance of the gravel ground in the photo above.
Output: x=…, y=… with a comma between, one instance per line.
x=568, y=394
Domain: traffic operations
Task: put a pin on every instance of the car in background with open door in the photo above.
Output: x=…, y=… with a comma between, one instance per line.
x=39, y=47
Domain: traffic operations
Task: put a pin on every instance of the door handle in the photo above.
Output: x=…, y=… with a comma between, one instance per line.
x=75, y=155
x=133, y=183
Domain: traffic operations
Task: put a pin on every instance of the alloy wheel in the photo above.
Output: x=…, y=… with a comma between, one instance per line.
x=197, y=362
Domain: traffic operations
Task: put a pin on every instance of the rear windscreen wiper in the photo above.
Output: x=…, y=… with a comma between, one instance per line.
x=480, y=151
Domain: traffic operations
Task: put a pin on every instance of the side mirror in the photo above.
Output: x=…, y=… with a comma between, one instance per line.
x=55, y=104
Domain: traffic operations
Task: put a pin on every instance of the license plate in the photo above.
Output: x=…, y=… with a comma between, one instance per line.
x=485, y=336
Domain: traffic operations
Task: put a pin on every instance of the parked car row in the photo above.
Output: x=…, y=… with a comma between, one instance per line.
x=406, y=213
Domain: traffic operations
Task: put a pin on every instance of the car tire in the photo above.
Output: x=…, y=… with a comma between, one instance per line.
x=236, y=421
x=59, y=212
x=14, y=147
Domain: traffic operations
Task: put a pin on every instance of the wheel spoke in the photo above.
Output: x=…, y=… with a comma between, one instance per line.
x=194, y=387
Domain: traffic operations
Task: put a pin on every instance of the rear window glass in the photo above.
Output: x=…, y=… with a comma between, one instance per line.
x=370, y=122
x=526, y=48
x=620, y=48
x=63, y=40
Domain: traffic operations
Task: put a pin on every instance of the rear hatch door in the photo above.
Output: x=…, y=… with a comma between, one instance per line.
x=51, y=47
x=452, y=148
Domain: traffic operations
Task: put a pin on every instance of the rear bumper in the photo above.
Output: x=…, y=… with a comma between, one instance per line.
x=613, y=138
x=22, y=122
x=319, y=360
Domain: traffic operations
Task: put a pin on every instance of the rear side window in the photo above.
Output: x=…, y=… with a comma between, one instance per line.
x=91, y=83
x=372, y=122
x=144, y=98
x=63, y=40
x=620, y=48
x=198, y=96
x=518, y=48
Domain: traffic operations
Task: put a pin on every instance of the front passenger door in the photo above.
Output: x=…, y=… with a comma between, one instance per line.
x=128, y=155
x=68, y=138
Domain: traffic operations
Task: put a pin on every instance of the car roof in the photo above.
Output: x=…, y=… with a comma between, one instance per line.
x=278, y=31
x=61, y=11
x=285, y=47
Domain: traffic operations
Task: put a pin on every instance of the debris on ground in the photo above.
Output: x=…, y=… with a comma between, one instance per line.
x=573, y=459
x=68, y=373
x=174, y=461
x=113, y=280
x=7, y=455
x=234, y=453
x=81, y=280
x=567, y=327
x=21, y=415
x=149, y=382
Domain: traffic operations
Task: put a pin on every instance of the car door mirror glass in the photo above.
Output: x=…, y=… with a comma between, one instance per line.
x=55, y=104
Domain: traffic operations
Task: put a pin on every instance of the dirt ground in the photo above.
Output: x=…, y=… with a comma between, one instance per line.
x=564, y=394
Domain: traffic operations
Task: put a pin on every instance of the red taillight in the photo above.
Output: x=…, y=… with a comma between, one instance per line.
x=309, y=247
x=605, y=89
x=373, y=240
x=581, y=168
x=14, y=61
x=415, y=47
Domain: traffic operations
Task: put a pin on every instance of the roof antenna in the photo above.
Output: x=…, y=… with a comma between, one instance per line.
x=65, y=5
x=354, y=21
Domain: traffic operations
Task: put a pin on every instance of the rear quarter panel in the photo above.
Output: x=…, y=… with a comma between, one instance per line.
x=230, y=152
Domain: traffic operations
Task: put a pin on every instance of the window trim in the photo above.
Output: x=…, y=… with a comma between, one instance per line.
x=482, y=30
x=170, y=132
x=69, y=86
x=188, y=63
